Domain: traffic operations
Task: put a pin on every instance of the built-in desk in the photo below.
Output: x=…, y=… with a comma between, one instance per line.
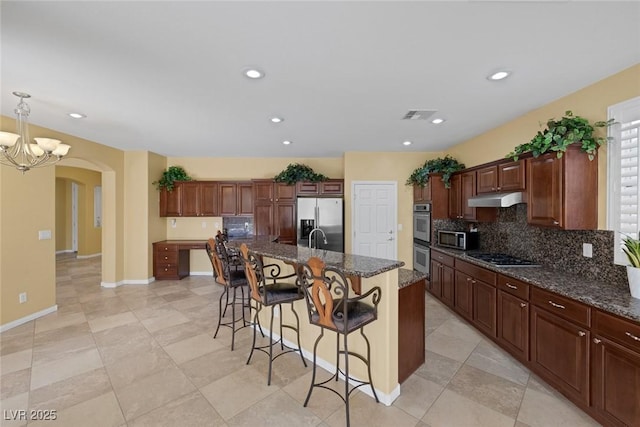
x=171, y=258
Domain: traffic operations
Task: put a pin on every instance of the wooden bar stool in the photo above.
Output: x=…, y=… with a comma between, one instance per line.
x=267, y=290
x=330, y=307
x=233, y=279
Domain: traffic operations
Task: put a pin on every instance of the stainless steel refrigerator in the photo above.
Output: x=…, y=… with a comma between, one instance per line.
x=326, y=216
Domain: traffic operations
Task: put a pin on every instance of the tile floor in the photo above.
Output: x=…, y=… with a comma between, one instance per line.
x=143, y=355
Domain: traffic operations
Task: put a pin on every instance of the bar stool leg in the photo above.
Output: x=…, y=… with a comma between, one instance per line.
x=373, y=390
x=271, y=339
x=304, y=362
x=346, y=377
x=313, y=374
x=253, y=345
x=220, y=310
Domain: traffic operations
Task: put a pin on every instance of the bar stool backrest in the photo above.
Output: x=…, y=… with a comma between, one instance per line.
x=251, y=265
x=216, y=262
x=320, y=300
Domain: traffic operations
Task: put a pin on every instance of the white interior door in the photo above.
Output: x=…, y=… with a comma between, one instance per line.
x=374, y=219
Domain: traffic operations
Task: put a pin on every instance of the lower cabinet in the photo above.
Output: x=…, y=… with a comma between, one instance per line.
x=484, y=307
x=463, y=295
x=169, y=263
x=513, y=325
x=441, y=284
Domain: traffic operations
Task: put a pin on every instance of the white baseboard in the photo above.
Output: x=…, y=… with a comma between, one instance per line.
x=384, y=398
x=89, y=256
x=28, y=318
x=65, y=251
x=128, y=282
x=201, y=273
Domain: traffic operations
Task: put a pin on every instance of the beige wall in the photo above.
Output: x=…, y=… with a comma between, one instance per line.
x=89, y=236
x=378, y=166
x=63, y=215
x=590, y=103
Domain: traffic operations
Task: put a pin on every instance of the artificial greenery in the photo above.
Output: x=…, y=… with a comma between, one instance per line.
x=632, y=249
x=296, y=172
x=169, y=176
x=559, y=134
x=446, y=166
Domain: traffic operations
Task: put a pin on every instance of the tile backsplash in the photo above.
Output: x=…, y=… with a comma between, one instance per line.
x=238, y=226
x=560, y=249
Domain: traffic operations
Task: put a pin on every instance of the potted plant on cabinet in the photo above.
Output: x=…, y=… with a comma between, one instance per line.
x=170, y=176
x=296, y=172
x=446, y=166
x=559, y=134
x=632, y=249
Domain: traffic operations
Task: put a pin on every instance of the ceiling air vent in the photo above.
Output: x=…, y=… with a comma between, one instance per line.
x=419, y=114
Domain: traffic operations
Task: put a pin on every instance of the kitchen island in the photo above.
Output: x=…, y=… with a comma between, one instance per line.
x=364, y=273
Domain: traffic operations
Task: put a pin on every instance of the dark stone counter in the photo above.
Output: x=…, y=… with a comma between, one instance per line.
x=606, y=296
x=407, y=277
x=350, y=265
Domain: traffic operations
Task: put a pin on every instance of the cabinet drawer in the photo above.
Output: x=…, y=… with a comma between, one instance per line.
x=166, y=257
x=619, y=330
x=562, y=306
x=166, y=248
x=514, y=287
x=166, y=270
x=442, y=258
x=476, y=272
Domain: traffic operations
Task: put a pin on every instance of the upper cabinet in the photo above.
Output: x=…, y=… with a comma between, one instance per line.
x=274, y=206
x=562, y=192
x=207, y=198
x=329, y=188
x=436, y=193
x=463, y=186
x=509, y=176
x=236, y=198
x=199, y=198
x=171, y=201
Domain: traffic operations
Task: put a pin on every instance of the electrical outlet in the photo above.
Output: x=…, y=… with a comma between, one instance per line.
x=22, y=297
x=173, y=223
x=587, y=250
x=399, y=227
x=204, y=224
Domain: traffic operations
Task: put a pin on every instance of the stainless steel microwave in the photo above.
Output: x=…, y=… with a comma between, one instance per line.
x=462, y=240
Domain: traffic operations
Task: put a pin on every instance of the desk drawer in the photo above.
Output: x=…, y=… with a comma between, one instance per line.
x=514, y=287
x=619, y=330
x=166, y=257
x=562, y=306
x=164, y=247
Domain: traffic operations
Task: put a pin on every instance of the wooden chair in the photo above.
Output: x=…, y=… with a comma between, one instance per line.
x=330, y=307
x=267, y=290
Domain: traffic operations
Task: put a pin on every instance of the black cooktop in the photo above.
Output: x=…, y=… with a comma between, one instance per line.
x=502, y=260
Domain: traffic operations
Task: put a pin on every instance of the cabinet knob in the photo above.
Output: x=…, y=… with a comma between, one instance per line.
x=523, y=305
x=597, y=341
x=271, y=200
x=277, y=200
x=555, y=223
x=499, y=188
x=166, y=269
x=581, y=333
x=166, y=257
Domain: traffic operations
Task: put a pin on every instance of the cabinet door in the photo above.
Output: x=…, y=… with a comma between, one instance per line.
x=435, y=285
x=417, y=194
x=332, y=187
x=228, y=195
x=484, y=307
x=285, y=221
x=467, y=190
x=511, y=176
x=308, y=188
x=190, y=199
x=262, y=191
x=559, y=353
x=171, y=201
x=513, y=325
x=447, y=280
x=454, y=197
x=284, y=193
x=615, y=382
x=463, y=295
x=544, y=175
x=487, y=179
x=263, y=219
x=245, y=198
x=208, y=193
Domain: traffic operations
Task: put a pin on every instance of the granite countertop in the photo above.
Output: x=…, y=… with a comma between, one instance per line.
x=407, y=277
x=603, y=295
x=351, y=265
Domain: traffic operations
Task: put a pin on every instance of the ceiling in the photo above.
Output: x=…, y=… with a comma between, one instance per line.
x=166, y=76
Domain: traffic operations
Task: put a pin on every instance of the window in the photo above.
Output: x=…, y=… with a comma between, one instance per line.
x=97, y=207
x=624, y=191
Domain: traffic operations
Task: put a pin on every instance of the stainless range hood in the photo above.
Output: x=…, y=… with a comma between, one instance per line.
x=496, y=200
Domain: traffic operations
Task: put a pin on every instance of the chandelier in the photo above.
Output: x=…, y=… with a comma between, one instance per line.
x=18, y=151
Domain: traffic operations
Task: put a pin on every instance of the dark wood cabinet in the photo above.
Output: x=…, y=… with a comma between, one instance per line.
x=615, y=373
x=463, y=304
x=484, y=307
x=171, y=201
x=463, y=187
x=562, y=193
x=235, y=198
x=560, y=353
x=508, y=176
x=476, y=295
x=330, y=187
x=168, y=262
x=411, y=329
x=436, y=193
x=441, y=284
x=200, y=198
x=513, y=317
x=274, y=207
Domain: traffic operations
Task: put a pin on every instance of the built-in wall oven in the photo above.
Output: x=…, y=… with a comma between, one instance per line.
x=421, y=237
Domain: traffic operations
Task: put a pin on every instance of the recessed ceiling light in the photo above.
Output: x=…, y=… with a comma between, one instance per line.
x=286, y=142
x=276, y=119
x=499, y=75
x=407, y=143
x=77, y=115
x=437, y=121
x=254, y=73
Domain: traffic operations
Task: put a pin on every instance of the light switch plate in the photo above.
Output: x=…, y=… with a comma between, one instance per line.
x=587, y=250
x=44, y=235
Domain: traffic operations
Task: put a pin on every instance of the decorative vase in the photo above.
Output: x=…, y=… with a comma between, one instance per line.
x=633, y=275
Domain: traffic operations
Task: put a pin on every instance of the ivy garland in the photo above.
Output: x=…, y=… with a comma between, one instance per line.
x=296, y=172
x=169, y=176
x=446, y=166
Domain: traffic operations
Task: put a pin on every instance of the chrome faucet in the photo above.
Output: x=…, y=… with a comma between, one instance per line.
x=323, y=235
